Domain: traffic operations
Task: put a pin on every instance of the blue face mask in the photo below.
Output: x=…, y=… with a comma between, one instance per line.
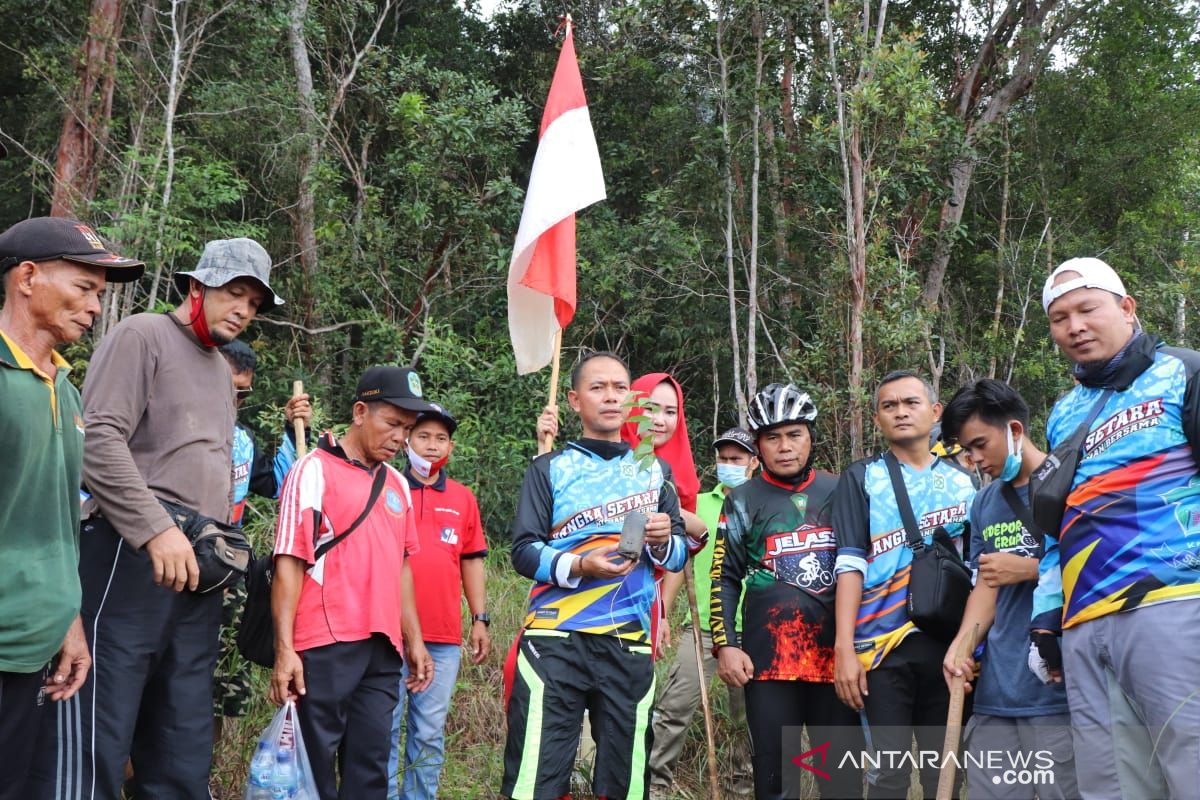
x=732, y=475
x=1012, y=462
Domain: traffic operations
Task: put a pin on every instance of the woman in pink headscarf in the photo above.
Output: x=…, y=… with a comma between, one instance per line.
x=669, y=433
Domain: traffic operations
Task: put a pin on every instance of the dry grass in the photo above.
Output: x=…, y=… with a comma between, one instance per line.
x=475, y=729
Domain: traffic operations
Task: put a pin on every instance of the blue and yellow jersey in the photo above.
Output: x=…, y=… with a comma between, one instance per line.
x=1130, y=534
x=871, y=540
x=573, y=501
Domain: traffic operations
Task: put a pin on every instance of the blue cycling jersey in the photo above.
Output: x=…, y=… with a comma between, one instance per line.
x=1130, y=534
x=872, y=540
x=574, y=501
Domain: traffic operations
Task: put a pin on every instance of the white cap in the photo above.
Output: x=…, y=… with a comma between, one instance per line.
x=1093, y=274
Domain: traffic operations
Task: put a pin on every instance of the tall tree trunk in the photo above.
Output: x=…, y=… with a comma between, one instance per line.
x=304, y=216
x=752, y=272
x=1001, y=260
x=730, y=278
x=1016, y=48
x=85, y=125
x=174, y=86
x=850, y=149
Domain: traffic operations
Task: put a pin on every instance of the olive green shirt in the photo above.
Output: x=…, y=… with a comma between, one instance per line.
x=41, y=426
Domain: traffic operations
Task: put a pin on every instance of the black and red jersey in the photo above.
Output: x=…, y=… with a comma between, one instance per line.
x=777, y=539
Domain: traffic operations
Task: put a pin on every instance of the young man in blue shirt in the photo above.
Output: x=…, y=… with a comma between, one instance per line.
x=1015, y=712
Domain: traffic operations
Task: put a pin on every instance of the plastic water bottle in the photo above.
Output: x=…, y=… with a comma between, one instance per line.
x=285, y=782
x=262, y=768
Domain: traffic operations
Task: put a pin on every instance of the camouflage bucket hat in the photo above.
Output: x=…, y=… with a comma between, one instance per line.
x=224, y=260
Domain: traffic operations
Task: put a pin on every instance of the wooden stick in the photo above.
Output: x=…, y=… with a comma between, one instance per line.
x=709, y=735
x=547, y=442
x=958, y=695
x=301, y=442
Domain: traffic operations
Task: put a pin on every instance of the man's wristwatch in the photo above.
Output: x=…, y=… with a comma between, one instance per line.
x=484, y=618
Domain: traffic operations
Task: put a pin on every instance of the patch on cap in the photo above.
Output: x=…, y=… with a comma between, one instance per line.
x=414, y=384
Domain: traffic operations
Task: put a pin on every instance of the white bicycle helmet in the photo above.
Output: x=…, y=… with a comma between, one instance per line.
x=779, y=404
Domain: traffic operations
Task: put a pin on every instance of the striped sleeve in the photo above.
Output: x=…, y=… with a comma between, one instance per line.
x=299, y=509
x=852, y=521
x=532, y=554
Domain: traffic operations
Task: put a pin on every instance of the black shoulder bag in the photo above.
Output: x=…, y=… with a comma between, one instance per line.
x=1050, y=484
x=939, y=582
x=256, y=634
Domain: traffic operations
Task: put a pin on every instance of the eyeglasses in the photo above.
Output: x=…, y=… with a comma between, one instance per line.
x=242, y=394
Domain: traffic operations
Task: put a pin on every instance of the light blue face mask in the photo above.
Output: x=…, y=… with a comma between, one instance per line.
x=732, y=475
x=1012, y=462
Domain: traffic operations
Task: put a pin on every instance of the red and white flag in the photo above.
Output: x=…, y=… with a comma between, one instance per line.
x=566, y=177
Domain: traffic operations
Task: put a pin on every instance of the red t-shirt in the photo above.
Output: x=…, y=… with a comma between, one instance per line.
x=450, y=530
x=354, y=590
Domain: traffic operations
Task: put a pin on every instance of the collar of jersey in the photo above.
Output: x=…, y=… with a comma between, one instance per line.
x=791, y=487
x=330, y=445
x=600, y=448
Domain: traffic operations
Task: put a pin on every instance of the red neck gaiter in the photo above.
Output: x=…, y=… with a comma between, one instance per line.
x=199, y=322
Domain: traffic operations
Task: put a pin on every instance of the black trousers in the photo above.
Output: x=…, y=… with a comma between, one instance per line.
x=148, y=696
x=907, y=695
x=352, y=689
x=558, y=675
x=775, y=711
x=23, y=707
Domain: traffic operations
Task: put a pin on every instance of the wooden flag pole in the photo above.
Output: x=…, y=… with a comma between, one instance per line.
x=709, y=733
x=958, y=696
x=301, y=441
x=546, y=443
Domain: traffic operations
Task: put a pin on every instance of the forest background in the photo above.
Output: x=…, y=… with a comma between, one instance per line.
x=798, y=190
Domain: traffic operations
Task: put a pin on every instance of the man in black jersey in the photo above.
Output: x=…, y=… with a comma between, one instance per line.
x=774, y=536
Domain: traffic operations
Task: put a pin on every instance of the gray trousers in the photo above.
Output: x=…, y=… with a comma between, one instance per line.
x=1017, y=758
x=677, y=705
x=1133, y=685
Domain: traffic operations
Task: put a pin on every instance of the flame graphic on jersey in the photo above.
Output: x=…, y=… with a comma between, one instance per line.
x=799, y=655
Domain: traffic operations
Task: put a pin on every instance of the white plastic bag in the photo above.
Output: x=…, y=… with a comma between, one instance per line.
x=279, y=768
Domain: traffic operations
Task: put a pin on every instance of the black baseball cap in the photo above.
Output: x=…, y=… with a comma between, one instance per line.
x=50, y=238
x=739, y=436
x=397, y=386
x=440, y=413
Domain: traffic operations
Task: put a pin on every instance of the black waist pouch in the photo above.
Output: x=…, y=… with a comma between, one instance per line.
x=222, y=552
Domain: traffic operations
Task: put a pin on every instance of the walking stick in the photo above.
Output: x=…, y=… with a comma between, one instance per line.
x=958, y=695
x=690, y=579
x=546, y=443
x=301, y=442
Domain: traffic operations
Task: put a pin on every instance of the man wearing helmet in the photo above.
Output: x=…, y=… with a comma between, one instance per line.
x=774, y=536
x=158, y=402
x=885, y=665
